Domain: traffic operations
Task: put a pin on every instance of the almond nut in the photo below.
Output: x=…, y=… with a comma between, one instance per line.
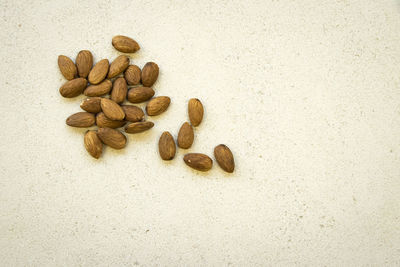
x=99, y=72
x=198, y=161
x=125, y=44
x=112, y=110
x=81, y=119
x=91, y=105
x=118, y=66
x=112, y=137
x=84, y=63
x=67, y=67
x=185, y=136
x=157, y=105
x=196, y=111
x=132, y=75
x=119, y=90
x=138, y=127
x=140, y=94
x=103, y=122
x=133, y=113
x=98, y=89
x=149, y=74
x=73, y=88
x=93, y=144
x=224, y=157
x=166, y=146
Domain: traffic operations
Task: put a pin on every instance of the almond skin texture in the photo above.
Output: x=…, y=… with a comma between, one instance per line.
x=99, y=72
x=67, y=67
x=149, y=74
x=81, y=120
x=140, y=94
x=93, y=144
x=198, y=161
x=133, y=113
x=185, y=136
x=112, y=137
x=119, y=91
x=224, y=157
x=118, y=66
x=103, y=122
x=91, y=105
x=138, y=127
x=73, y=88
x=112, y=110
x=84, y=63
x=166, y=146
x=157, y=105
x=132, y=75
x=125, y=44
x=98, y=89
x=196, y=111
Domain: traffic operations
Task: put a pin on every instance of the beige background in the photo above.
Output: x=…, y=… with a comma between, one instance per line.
x=306, y=94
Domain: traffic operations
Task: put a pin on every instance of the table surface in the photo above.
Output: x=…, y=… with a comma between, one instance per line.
x=305, y=93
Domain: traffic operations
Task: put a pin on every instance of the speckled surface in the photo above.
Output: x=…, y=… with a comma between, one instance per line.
x=306, y=94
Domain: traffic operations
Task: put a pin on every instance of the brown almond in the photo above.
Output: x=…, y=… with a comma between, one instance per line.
x=99, y=72
x=73, y=88
x=112, y=110
x=81, y=119
x=198, y=161
x=112, y=137
x=125, y=44
x=98, y=89
x=67, y=67
x=133, y=113
x=102, y=122
x=224, y=157
x=132, y=75
x=185, y=136
x=196, y=111
x=157, y=105
x=84, y=63
x=138, y=127
x=119, y=90
x=93, y=144
x=149, y=74
x=91, y=105
x=118, y=66
x=140, y=94
x=166, y=146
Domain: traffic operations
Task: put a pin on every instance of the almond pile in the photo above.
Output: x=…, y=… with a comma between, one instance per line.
x=110, y=88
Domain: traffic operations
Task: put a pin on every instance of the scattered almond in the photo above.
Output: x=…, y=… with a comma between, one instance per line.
x=84, y=63
x=125, y=44
x=166, y=146
x=138, y=127
x=118, y=66
x=149, y=74
x=67, y=67
x=224, y=157
x=198, y=161
x=98, y=89
x=112, y=110
x=119, y=90
x=93, y=144
x=91, y=105
x=99, y=72
x=140, y=94
x=132, y=75
x=185, y=136
x=81, y=119
x=112, y=137
x=157, y=105
x=102, y=121
x=73, y=88
x=196, y=111
x=133, y=113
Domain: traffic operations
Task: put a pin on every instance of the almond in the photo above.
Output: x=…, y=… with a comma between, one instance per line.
x=67, y=67
x=132, y=75
x=185, y=136
x=149, y=74
x=125, y=44
x=98, y=89
x=81, y=119
x=73, y=88
x=157, y=105
x=140, y=94
x=99, y=72
x=196, y=111
x=138, y=127
x=119, y=90
x=133, y=113
x=93, y=144
x=112, y=137
x=166, y=146
x=84, y=63
x=118, y=66
x=102, y=121
x=91, y=105
x=224, y=157
x=112, y=110
x=198, y=161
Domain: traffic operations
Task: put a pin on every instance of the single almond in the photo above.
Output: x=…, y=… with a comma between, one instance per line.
x=99, y=72
x=67, y=67
x=84, y=63
x=73, y=88
x=98, y=89
x=149, y=74
x=132, y=75
x=112, y=110
x=93, y=144
x=118, y=66
x=112, y=137
x=91, y=105
x=125, y=44
x=102, y=122
x=81, y=119
x=196, y=111
x=157, y=105
x=119, y=90
x=133, y=113
x=224, y=157
x=138, y=127
x=185, y=136
x=198, y=161
x=166, y=146
x=140, y=94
